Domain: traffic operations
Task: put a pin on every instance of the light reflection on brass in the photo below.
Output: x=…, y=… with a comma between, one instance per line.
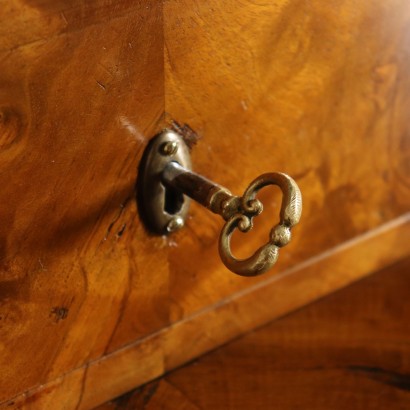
x=239, y=212
x=166, y=182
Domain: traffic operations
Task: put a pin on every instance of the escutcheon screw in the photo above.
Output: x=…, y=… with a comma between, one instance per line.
x=175, y=224
x=169, y=148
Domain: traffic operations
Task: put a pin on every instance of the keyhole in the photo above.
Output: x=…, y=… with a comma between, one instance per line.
x=173, y=201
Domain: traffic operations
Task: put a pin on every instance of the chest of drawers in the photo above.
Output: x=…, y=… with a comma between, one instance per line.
x=92, y=304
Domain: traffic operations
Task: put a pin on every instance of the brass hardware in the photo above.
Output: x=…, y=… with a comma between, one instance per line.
x=163, y=209
x=238, y=212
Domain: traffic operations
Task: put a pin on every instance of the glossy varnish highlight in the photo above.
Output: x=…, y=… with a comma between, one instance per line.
x=349, y=350
x=317, y=90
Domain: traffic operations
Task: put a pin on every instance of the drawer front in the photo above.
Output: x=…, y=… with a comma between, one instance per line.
x=92, y=304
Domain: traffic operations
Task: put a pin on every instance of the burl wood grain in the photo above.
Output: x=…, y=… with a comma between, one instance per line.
x=76, y=112
x=319, y=91
x=147, y=358
x=350, y=350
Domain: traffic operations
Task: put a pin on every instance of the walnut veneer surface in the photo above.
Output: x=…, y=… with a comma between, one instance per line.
x=91, y=304
x=350, y=350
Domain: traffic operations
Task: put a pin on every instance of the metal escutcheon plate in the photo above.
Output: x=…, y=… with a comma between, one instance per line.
x=164, y=209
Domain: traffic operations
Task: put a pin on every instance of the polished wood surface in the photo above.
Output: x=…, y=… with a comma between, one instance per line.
x=148, y=358
x=86, y=292
x=76, y=110
x=319, y=91
x=350, y=350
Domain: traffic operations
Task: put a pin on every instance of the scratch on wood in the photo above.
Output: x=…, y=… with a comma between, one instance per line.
x=41, y=265
x=101, y=85
x=64, y=18
x=118, y=216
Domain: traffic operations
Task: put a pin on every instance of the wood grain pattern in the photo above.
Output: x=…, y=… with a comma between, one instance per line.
x=77, y=111
x=146, y=359
x=285, y=86
x=349, y=350
x=28, y=21
x=319, y=91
